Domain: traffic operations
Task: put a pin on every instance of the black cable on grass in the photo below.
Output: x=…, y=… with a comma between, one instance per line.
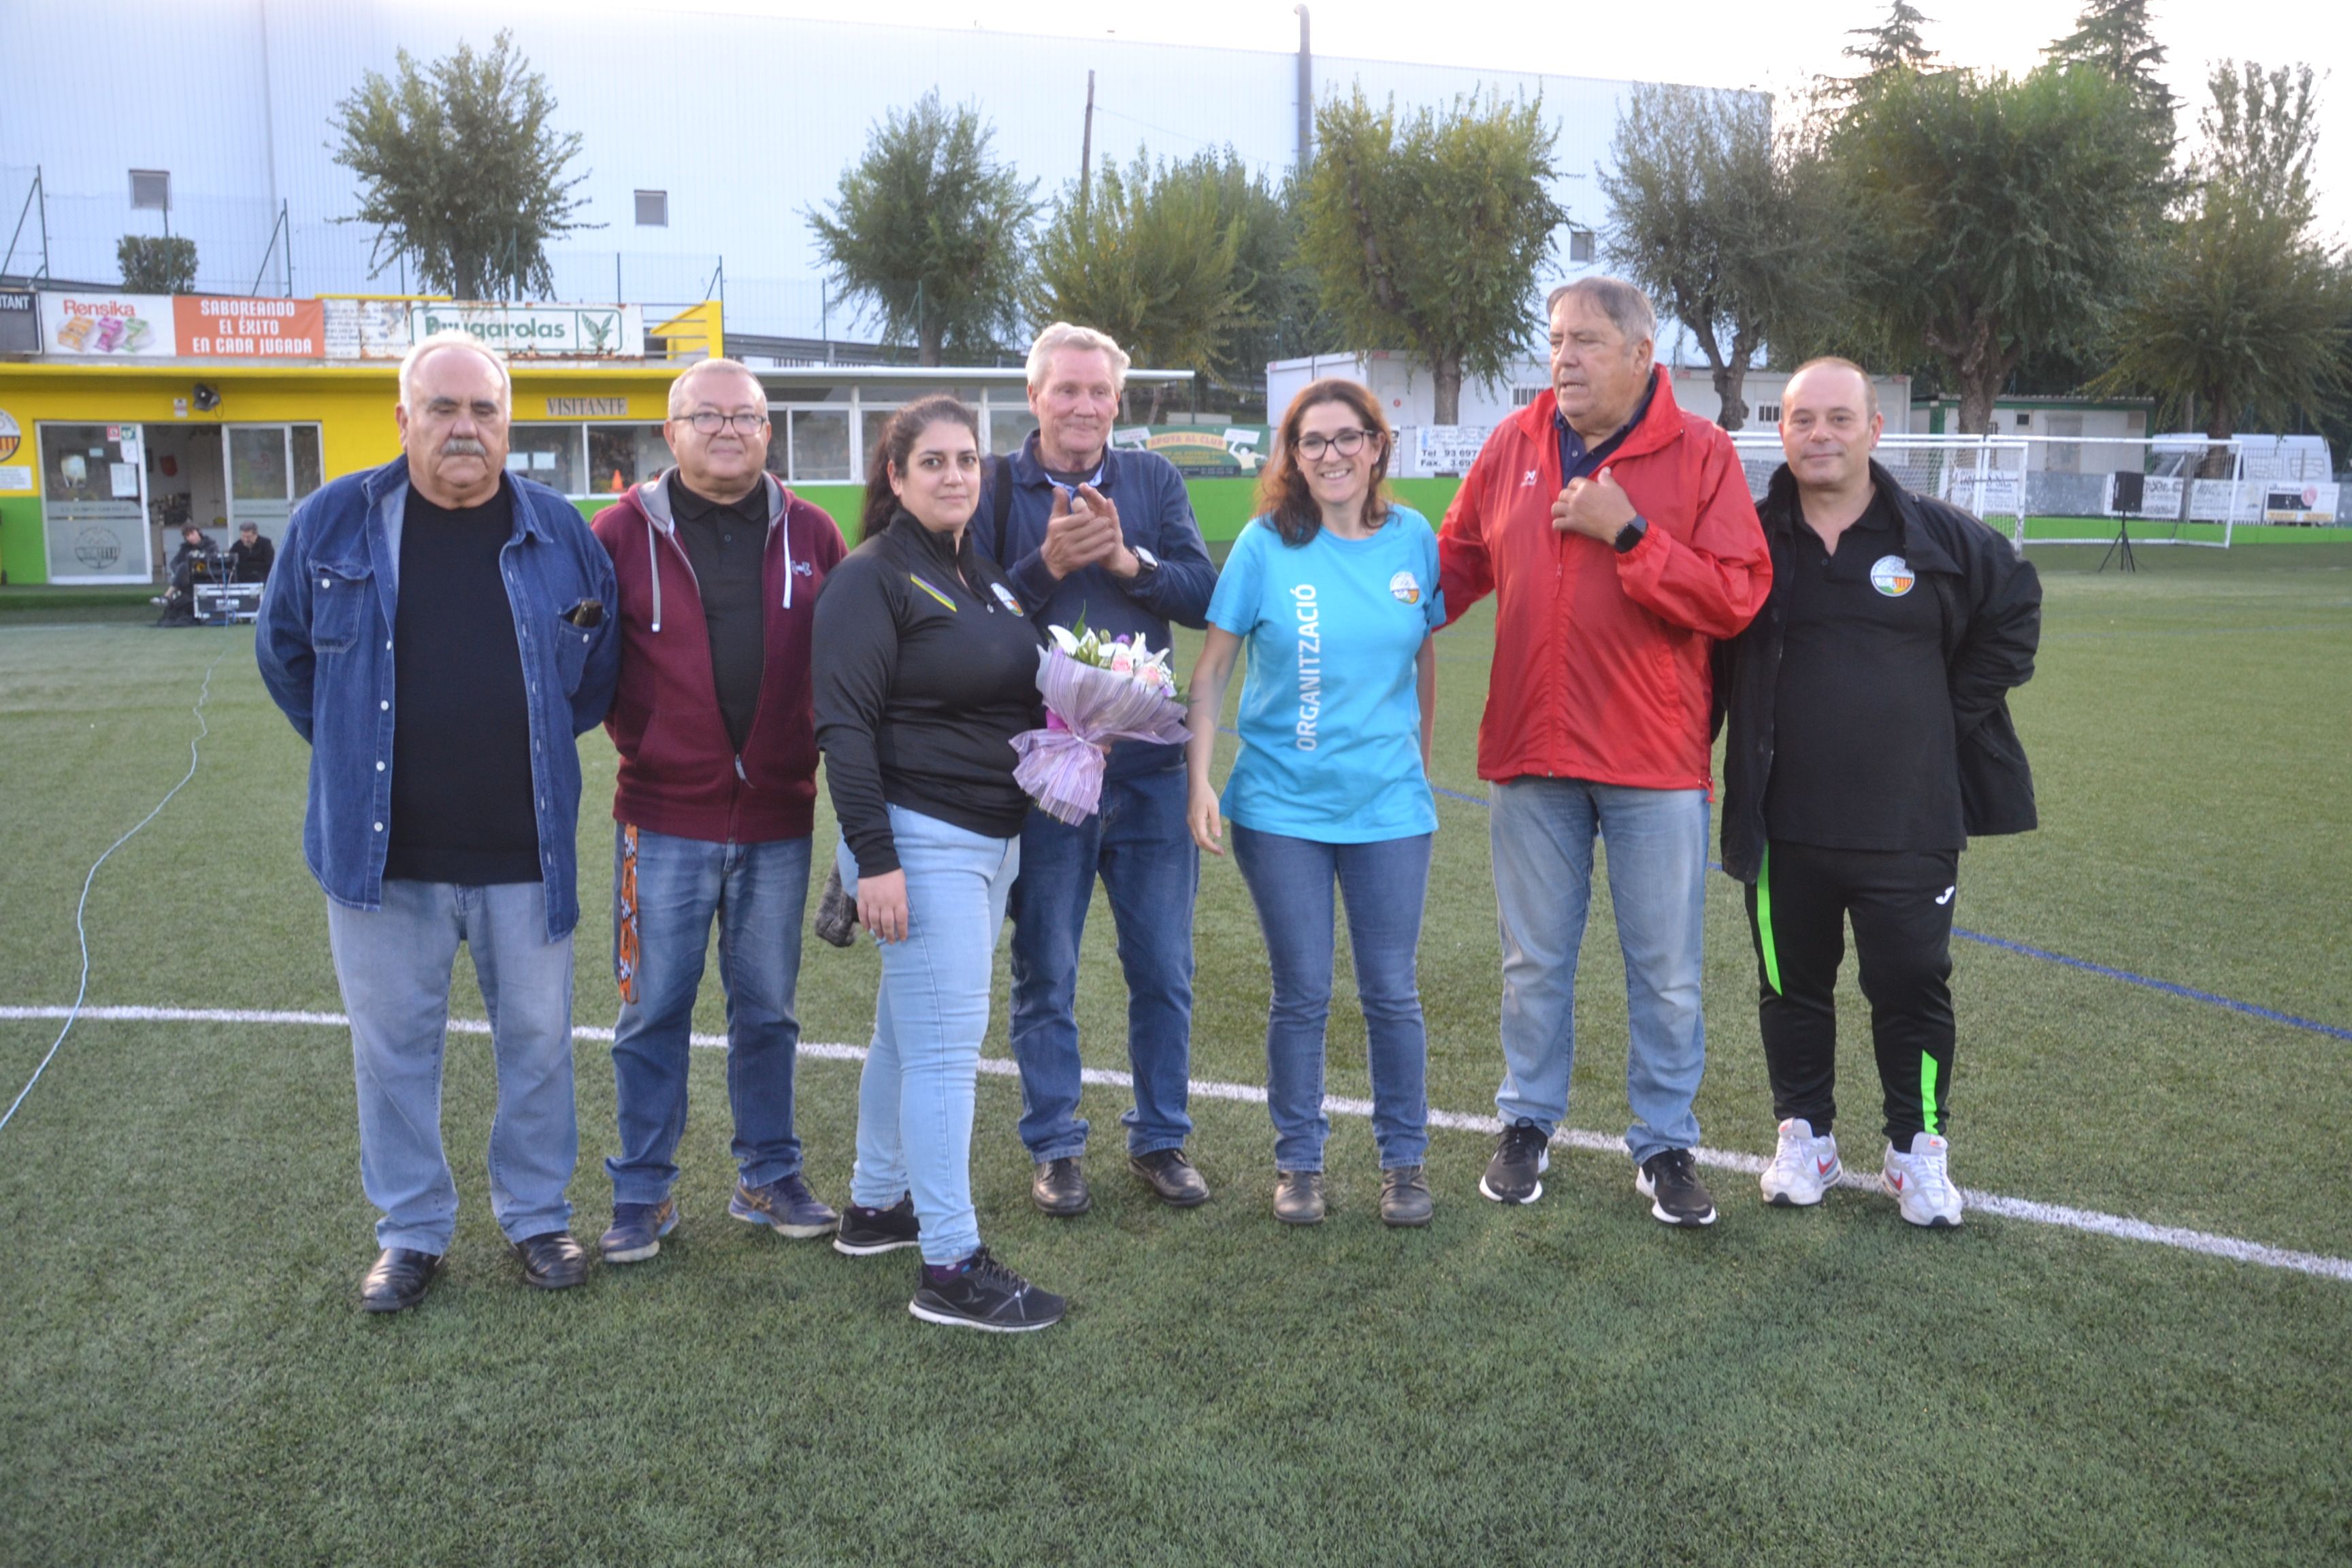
x=203, y=730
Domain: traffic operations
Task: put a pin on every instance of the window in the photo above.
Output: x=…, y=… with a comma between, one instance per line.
x=1523, y=396
x=547, y=453
x=150, y=190
x=1580, y=244
x=620, y=456
x=653, y=209
x=1769, y=413
x=2023, y=420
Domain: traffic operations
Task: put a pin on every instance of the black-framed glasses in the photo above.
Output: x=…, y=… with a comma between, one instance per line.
x=1347, y=442
x=709, y=422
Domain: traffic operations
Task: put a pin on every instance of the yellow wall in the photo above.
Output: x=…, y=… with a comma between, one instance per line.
x=352, y=405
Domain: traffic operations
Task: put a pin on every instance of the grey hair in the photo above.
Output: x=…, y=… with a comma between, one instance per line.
x=452, y=338
x=1627, y=308
x=1065, y=335
x=678, y=387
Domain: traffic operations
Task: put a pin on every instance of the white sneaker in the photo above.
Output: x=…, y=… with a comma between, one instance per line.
x=1921, y=1183
x=1803, y=1168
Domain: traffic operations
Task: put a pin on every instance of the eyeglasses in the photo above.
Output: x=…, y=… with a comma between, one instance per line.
x=709, y=422
x=1347, y=443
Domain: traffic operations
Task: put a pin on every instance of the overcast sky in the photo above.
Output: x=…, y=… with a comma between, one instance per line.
x=1713, y=42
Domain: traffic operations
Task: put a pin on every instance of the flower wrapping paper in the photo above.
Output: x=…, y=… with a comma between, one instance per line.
x=1061, y=766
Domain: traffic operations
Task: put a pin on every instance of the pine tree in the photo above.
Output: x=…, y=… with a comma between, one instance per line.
x=2114, y=37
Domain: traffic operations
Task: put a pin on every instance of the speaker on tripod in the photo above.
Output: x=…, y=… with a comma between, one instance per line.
x=2126, y=496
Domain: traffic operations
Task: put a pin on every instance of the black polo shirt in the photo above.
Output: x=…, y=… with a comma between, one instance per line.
x=727, y=542
x=1864, y=753
x=461, y=787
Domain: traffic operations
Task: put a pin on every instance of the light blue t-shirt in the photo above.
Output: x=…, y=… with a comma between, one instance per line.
x=1330, y=712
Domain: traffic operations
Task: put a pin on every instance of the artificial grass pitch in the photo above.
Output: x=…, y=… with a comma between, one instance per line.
x=188, y=1379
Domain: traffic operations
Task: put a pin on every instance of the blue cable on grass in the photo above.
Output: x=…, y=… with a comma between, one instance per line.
x=203, y=730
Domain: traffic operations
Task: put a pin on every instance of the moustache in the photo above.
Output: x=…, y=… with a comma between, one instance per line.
x=464, y=447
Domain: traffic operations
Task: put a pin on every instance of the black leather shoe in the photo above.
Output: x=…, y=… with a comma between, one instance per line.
x=399, y=1280
x=1172, y=1175
x=553, y=1261
x=1059, y=1187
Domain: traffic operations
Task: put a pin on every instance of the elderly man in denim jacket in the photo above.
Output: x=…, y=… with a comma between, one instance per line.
x=440, y=630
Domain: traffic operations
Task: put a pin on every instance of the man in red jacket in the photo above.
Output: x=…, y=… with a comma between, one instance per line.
x=1617, y=536
x=719, y=567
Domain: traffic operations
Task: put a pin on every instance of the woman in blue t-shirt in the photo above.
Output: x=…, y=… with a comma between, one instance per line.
x=1333, y=589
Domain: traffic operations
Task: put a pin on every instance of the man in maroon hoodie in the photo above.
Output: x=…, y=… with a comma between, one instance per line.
x=719, y=567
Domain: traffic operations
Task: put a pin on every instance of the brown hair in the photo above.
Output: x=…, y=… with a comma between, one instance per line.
x=1282, y=497
x=891, y=451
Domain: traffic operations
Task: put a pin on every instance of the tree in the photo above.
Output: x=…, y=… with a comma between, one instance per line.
x=2247, y=314
x=1150, y=258
x=1898, y=43
x=1282, y=315
x=157, y=264
x=2113, y=36
x=1733, y=230
x=931, y=231
x=1425, y=231
x=1995, y=213
x=461, y=172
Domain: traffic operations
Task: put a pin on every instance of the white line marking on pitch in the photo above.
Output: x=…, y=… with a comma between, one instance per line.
x=2120, y=1226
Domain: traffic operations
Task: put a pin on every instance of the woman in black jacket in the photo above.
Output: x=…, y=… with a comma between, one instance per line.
x=926, y=668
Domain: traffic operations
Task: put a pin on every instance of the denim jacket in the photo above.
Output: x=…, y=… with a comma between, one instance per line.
x=324, y=644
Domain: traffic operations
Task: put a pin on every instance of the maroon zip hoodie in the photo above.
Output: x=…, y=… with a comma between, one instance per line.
x=679, y=773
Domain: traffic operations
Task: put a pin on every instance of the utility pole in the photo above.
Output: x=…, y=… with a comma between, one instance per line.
x=1086, y=148
x=1306, y=92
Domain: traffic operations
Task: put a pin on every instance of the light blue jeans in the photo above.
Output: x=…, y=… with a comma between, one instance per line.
x=757, y=893
x=915, y=1097
x=394, y=966
x=1543, y=831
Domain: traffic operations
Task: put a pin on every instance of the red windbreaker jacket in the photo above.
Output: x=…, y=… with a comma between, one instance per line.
x=1600, y=659
x=680, y=773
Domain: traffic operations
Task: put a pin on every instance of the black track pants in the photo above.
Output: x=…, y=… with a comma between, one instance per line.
x=1900, y=904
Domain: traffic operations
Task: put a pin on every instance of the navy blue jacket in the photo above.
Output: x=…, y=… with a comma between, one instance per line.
x=324, y=644
x=1155, y=512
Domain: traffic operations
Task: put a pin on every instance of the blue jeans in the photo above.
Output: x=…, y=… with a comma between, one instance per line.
x=1139, y=844
x=915, y=1097
x=395, y=964
x=758, y=892
x=1543, y=831
x=1384, y=883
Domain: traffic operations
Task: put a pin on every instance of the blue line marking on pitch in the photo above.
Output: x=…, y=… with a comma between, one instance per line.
x=2188, y=992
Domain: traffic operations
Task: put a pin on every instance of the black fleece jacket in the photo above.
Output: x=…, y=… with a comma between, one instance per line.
x=1991, y=600
x=921, y=682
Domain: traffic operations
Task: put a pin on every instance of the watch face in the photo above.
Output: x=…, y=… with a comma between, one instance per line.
x=1151, y=562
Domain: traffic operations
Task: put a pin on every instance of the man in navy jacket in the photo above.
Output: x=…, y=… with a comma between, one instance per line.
x=1084, y=531
x=440, y=630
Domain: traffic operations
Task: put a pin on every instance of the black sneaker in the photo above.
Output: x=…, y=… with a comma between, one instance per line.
x=986, y=1295
x=1670, y=1181
x=865, y=1232
x=1522, y=1155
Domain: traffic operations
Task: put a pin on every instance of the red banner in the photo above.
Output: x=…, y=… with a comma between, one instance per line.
x=249, y=329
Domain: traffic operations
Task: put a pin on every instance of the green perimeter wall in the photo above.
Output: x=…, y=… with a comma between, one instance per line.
x=1222, y=505
x=21, y=556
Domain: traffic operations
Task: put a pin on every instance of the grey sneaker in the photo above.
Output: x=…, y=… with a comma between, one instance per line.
x=1404, y=1195
x=1298, y=1197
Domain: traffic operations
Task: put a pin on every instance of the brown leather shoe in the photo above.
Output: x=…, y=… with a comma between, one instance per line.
x=553, y=1261
x=399, y=1280
x=1171, y=1177
x=1059, y=1187
x=1298, y=1197
x=1404, y=1195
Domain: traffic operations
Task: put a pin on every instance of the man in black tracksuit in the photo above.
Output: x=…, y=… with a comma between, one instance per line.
x=1870, y=736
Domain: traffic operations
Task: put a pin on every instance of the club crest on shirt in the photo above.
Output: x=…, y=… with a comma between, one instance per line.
x=1892, y=575
x=1004, y=597
x=1406, y=587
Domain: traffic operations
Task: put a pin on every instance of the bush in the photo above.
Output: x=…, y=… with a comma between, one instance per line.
x=153, y=265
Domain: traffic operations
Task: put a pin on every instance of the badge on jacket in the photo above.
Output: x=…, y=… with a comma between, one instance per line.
x=1892, y=575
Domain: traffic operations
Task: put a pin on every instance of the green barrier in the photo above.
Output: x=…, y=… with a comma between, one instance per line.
x=22, y=557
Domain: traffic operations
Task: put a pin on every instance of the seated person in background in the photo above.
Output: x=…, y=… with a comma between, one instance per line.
x=179, y=599
x=249, y=557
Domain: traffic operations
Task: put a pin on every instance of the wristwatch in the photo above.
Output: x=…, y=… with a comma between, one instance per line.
x=1151, y=562
x=1631, y=534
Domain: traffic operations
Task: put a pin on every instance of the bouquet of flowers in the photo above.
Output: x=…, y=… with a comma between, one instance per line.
x=1096, y=691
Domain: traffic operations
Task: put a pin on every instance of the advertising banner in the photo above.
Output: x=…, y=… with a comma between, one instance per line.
x=540, y=331
x=1199, y=451
x=249, y=329
x=2313, y=503
x=365, y=328
x=1446, y=449
x=108, y=326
